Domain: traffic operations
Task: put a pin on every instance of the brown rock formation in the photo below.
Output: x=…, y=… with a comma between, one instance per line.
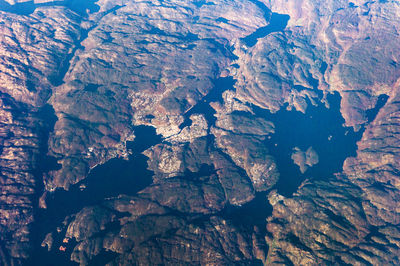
x=75, y=84
x=28, y=60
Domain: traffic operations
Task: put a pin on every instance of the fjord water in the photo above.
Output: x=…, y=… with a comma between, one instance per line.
x=277, y=23
x=320, y=127
x=28, y=7
x=115, y=177
x=118, y=176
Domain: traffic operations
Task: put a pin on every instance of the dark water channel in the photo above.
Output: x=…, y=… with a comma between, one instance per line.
x=117, y=176
x=28, y=7
x=277, y=22
x=321, y=127
x=203, y=106
x=372, y=113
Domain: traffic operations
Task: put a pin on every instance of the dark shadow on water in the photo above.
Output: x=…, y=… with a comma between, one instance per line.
x=46, y=163
x=102, y=258
x=277, y=23
x=115, y=177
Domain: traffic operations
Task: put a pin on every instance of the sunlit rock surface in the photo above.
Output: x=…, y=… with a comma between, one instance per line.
x=31, y=50
x=354, y=224
x=141, y=63
x=357, y=40
x=324, y=222
x=79, y=77
x=304, y=159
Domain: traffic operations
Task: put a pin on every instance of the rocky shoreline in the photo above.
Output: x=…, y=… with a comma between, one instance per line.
x=165, y=132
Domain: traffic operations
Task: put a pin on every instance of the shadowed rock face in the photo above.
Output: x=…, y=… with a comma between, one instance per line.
x=143, y=133
x=147, y=63
x=31, y=49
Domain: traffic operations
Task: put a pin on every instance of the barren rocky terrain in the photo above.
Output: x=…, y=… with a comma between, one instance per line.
x=199, y=132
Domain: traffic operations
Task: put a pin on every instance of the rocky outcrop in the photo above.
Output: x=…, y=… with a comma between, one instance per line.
x=205, y=164
x=325, y=222
x=77, y=79
x=304, y=159
x=28, y=60
x=242, y=136
x=375, y=169
x=151, y=234
x=356, y=45
x=347, y=219
x=141, y=63
x=269, y=77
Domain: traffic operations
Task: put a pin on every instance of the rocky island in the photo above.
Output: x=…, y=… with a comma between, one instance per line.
x=248, y=132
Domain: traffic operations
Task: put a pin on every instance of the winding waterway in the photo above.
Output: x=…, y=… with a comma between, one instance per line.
x=320, y=127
